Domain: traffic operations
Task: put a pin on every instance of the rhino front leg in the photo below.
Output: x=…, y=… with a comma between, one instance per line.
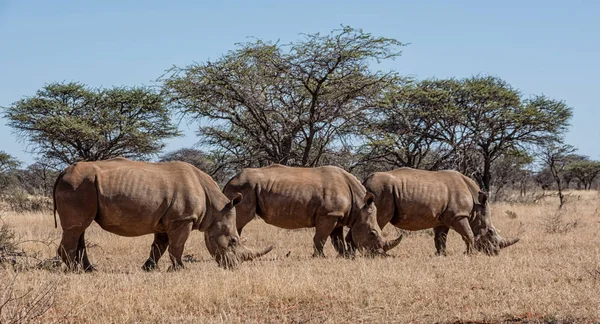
x=177, y=238
x=159, y=246
x=461, y=225
x=441, y=233
x=337, y=240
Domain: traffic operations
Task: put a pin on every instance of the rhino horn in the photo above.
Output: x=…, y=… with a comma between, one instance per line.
x=506, y=243
x=247, y=254
x=390, y=244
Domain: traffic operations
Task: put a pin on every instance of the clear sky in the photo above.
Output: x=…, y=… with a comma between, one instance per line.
x=549, y=47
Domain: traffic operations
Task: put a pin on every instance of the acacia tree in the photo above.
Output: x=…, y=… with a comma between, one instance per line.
x=585, y=171
x=8, y=163
x=70, y=122
x=288, y=104
x=416, y=125
x=498, y=120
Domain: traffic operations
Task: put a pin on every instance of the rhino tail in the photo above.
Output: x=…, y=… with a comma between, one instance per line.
x=60, y=175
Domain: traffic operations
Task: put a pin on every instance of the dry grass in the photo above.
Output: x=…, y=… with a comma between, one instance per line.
x=546, y=277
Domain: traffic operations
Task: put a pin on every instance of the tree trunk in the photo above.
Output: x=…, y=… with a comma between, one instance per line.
x=487, y=172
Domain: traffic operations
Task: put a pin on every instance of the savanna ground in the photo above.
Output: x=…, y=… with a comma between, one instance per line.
x=552, y=275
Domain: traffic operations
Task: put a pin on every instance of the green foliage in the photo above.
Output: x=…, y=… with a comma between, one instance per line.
x=415, y=125
x=499, y=120
x=8, y=165
x=8, y=162
x=286, y=104
x=69, y=122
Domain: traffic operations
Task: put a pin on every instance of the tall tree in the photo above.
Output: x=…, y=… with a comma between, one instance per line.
x=70, y=122
x=585, y=171
x=289, y=104
x=415, y=125
x=499, y=120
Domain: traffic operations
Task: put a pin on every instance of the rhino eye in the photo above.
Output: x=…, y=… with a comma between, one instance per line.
x=374, y=232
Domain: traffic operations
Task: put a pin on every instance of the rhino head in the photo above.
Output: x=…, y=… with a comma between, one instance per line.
x=366, y=233
x=223, y=241
x=487, y=238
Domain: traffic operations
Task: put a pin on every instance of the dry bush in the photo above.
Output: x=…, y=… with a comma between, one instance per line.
x=27, y=306
x=556, y=223
x=20, y=201
x=511, y=214
x=543, y=278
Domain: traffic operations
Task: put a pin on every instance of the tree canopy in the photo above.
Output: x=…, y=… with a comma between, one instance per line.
x=70, y=122
x=289, y=104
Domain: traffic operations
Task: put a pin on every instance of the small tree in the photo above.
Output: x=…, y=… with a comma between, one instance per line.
x=38, y=178
x=585, y=171
x=69, y=122
x=555, y=156
x=510, y=168
x=8, y=164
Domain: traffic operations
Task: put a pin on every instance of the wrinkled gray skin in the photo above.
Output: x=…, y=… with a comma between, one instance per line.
x=131, y=198
x=326, y=198
x=413, y=200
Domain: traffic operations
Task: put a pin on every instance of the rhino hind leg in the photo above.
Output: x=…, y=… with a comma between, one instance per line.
x=324, y=227
x=69, y=247
x=461, y=225
x=81, y=256
x=177, y=238
x=159, y=246
x=440, y=236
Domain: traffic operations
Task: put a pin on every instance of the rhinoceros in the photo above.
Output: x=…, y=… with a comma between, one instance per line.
x=131, y=198
x=413, y=200
x=326, y=198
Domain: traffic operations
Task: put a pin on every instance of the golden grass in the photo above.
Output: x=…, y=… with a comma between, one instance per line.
x=544, y=277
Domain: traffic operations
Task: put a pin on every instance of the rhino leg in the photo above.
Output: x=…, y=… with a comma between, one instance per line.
x=461, y=225
x=82, y=257
x=441, y=233
x=177, y=237
x=159, y=246
x=324, y=227
x=337, y=239
x=67, y=250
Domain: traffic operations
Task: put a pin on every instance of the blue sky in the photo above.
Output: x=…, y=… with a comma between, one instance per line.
x=540, y=47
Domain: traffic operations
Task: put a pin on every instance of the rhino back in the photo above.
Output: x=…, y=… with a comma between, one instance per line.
x=421, y=197
x=290, y=197
x=137, y=198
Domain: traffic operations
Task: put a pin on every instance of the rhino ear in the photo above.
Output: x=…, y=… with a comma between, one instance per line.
x=369, y=199
x=236, y=200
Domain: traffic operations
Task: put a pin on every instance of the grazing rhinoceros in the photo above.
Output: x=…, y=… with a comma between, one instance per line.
x=132, y=198
x=326, y=198
x=413, y=200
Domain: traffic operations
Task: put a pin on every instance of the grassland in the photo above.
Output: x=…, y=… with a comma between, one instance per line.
x=553, y=274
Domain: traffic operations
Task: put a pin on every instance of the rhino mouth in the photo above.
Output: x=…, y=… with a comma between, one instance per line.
x=234, y=256
x=491, y=243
